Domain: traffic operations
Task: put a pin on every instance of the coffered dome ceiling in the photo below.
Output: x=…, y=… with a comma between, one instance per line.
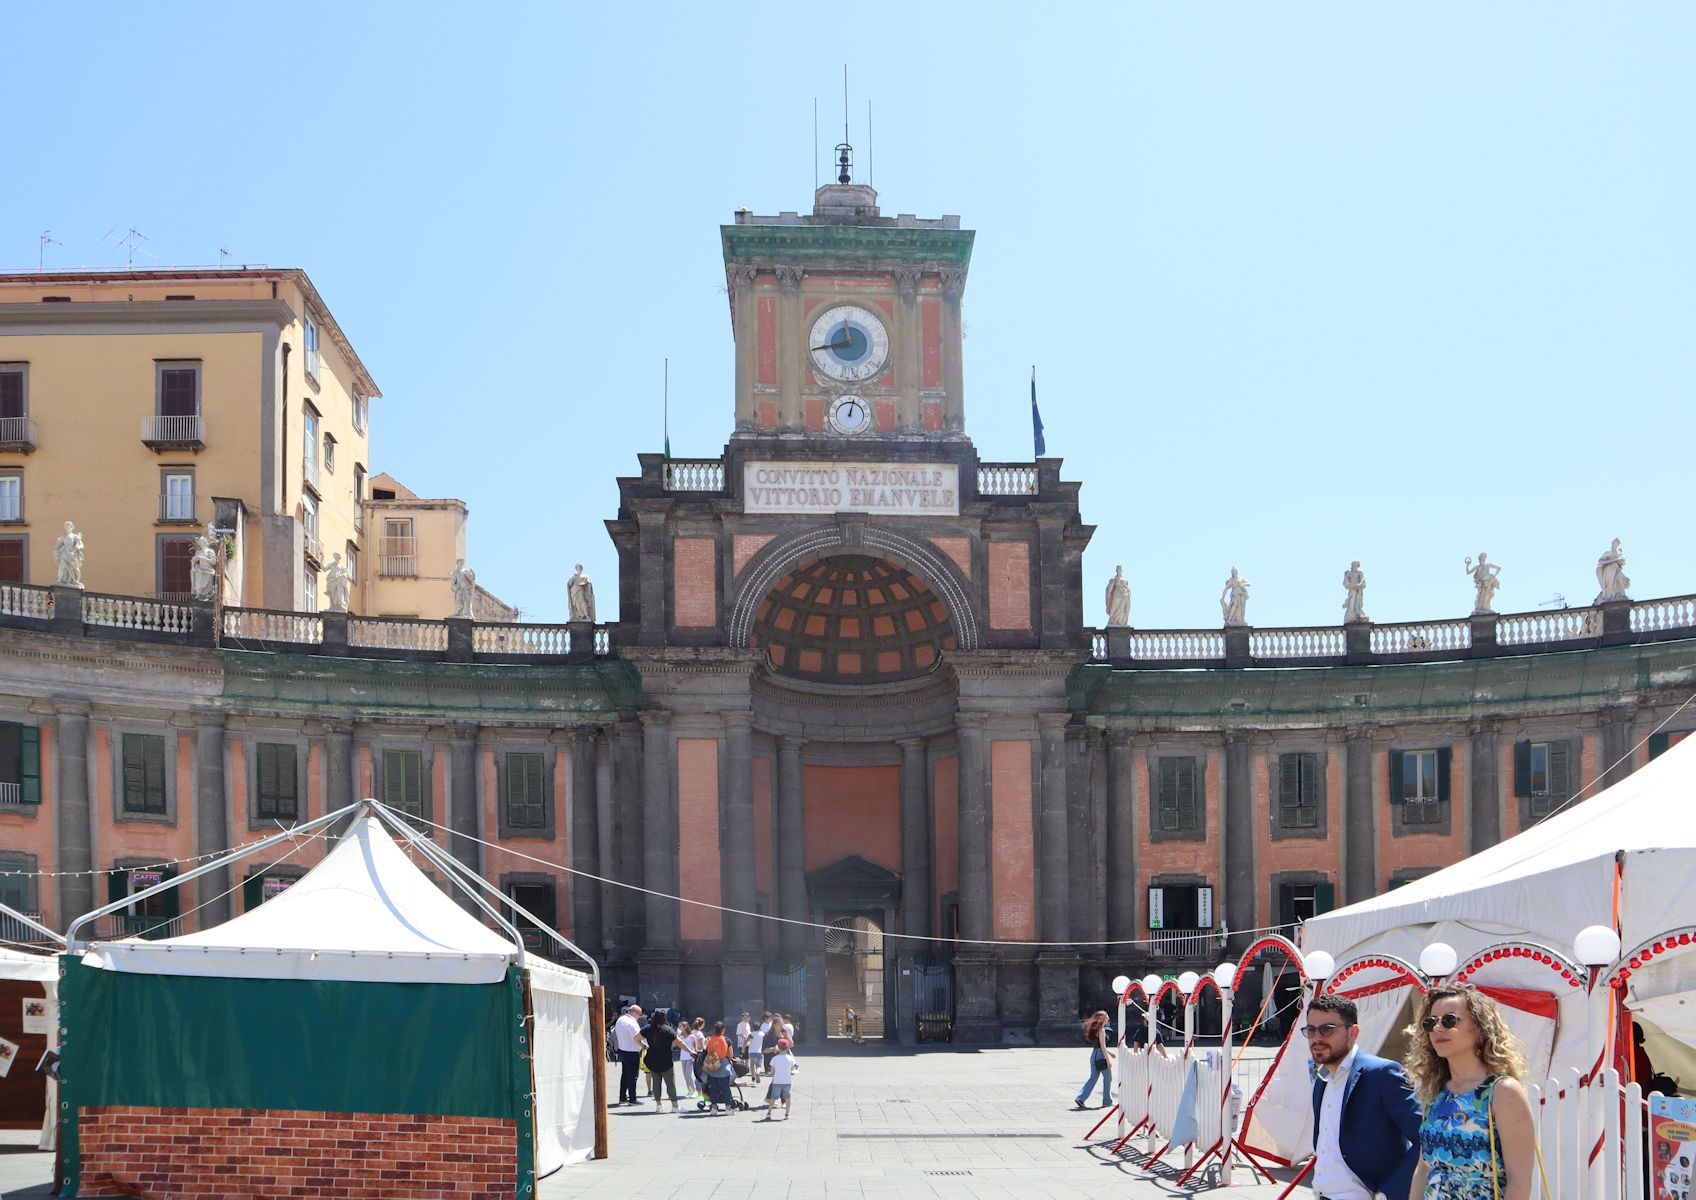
x=851, y=618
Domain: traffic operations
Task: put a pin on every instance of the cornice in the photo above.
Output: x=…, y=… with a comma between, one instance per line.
x=23, y=317
x=853, y=247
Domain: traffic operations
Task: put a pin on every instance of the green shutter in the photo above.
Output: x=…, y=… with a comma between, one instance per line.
x=1324, y=897
x=1398, y=782
x=1289, y=783
x=117, y=886
x=1445, y=757
x=1560, y=774
x=29, y=764
x=252, y=892
x=1522, y=768
x=1658, y=743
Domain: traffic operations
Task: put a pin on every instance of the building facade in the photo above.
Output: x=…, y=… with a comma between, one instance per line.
x=849, y=688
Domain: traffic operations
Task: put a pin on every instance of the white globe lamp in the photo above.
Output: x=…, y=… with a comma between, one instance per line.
x=1225, y=974
x=1596, y=946
x=1319, y=964
x=1438, y=960
x=1121, y=984
x=1150, y=985
x=1187, y=983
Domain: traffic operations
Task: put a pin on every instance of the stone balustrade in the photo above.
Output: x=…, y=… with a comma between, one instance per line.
x=694, y=475
x=378, y=633
x=268, y=625
x=1418, y=637
x=21, y=600
x=1295, y=643
x=1007, y=479
x=134, y=612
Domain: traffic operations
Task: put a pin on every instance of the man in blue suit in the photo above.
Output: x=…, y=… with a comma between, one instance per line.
x=1365, y=1115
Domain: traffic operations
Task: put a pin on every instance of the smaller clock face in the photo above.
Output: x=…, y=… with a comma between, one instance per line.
x=848, y=343
x=850, y=415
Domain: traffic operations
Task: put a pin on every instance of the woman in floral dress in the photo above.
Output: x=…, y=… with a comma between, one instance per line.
x=1465, y=1064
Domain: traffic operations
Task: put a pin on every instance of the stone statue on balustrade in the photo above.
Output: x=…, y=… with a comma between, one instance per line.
x=1486, y=578
x=580, y=595
x=337, y=581
x=203, y=570
x=1234, y=599
x=1610, y=575
x=1118, y=598
x=1354, y=607
x=68, y=552
x=464, y=584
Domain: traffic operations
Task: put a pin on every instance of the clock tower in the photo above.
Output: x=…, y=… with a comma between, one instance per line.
x=847, y=322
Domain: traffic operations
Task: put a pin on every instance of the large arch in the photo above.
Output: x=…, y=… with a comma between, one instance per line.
x=783, y=555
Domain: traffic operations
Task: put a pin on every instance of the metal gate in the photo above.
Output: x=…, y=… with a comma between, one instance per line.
x=786, y=985
x=933, y=998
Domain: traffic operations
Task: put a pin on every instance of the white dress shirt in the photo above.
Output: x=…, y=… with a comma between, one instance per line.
x=1331, y=1175
x=624, y=1031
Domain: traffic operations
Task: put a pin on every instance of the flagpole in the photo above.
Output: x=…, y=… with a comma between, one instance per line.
x=665, y=417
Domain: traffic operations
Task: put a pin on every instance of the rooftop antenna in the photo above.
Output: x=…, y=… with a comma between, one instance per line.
x=815, y=143
x=223, y=255
x=844, y=152
x=47, y=239
x=131, y=241
x=1559, y=601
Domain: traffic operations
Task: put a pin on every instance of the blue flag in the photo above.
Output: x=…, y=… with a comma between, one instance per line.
x=1036, y=420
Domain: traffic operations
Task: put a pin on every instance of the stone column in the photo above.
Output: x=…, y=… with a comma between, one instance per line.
x=1085, y=904
x=661, y=957
x=1057, y=967
x=585, y=842
x=211, y=818
x=627, y=840
x=909, y=348
x=1121, y=842
x=790, y=354
x=917, y=893
x=463, y=800
x=746, y=330
x=1484, y=794
x=1617, y=743
x=744, y=967
x=1238, y=830
x=791, y=845
x=339, y=766
x=953, y=370
x=73, y=813
x=1360, y=818
x=975, y=1019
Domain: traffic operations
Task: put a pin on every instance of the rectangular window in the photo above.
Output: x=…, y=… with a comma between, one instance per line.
x=1418, y=788
x=14, y=563
x=11, y=497
x=176, y=558
x=277, y=793
x=358, y=498
x=525, y=799
x=359, y=412
x=403, y=781
x=309, y=446
x=144, y=773
x=1298, y=791
x=1549, y=777
x=20, y=765
x=16, y=893
x=312, y=347
x=329, y=454
x=1180, y=906
x=308, y=589
x=13, y=390
x=264, y=885
x=176, y=495
x=537, y=897
x=397, y=551
x=1177, y=800
x=352, y=563
x=179, y=389
x=309, y=519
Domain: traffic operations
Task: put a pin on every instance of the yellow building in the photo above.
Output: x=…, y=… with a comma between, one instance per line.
x=146, y=405
x=419, y=544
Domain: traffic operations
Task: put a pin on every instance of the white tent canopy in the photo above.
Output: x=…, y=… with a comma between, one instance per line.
x=20, y=964
x=1550, y=881
x=364, y=914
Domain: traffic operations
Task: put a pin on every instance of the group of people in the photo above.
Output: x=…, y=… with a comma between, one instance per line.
x=1453, y=1122
x=665, y=1046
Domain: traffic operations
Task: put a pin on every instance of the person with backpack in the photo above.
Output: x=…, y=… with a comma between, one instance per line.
x=719, y=1072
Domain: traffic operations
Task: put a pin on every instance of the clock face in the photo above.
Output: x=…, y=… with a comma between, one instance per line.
x=850, y=415
x=847, y=343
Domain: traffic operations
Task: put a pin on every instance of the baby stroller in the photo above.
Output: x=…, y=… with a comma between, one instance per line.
x=731, y=1096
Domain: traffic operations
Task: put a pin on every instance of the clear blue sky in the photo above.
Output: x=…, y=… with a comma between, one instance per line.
x=1304, y=283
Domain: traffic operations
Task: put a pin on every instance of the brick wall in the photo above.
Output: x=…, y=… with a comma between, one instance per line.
x=222, y=1153
x=852, y=810
x=959, y=549
x=1014, y=868
x=1009, y=585
x=744, y=546
x=697, y=835
x=694, y=583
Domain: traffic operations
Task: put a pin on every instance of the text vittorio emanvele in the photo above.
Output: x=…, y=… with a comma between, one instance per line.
x=887, y=489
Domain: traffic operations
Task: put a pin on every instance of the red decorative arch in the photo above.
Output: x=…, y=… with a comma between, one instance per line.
x=1207, y=981
x=1558, y=963
x=1274, y=941
x=1403, y=974
x=1665, y=943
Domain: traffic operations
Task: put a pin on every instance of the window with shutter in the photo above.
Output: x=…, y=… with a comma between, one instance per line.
x=277, y=794
x=1298, y=791
x=1177, y=795
x=13, y=564
x=11, y=392
x=179, y=391
x=1415, y=786
x=20, y=765
x=525, y=781
x=144, y=774
x=1550, y=777
x=403, y=781
x=176, y=557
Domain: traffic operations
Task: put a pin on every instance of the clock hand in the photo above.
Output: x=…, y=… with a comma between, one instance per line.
x=844, y=344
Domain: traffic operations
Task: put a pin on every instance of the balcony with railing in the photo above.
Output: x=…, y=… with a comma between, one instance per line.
x=397, y=556
x=162, y=432
x=312, y=547
x=11, y=795
x=17, y=434
x=15, y=932
x=309, y=471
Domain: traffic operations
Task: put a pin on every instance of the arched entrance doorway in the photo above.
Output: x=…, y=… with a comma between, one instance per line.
x=853, y=978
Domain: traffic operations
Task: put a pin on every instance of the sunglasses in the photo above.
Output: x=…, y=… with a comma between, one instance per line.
x=1312, y=1031
x=1447, y=1021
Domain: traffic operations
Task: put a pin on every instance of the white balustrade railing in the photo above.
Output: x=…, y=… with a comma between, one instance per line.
x=1295, y=643
x=378, y=634
x=11, y=795
x=1164, y=943
x=694, y=475
x=1421, y=636
x=603, y=643
x=1007, y=479
x=521, y=639
x=17, y=431
x=267, y=625
x=180, y=430
x=1097, y=646
x=1567, y=624
x=1170, y=645
x=129, y=612
x=21, y=600
x=1656, y=616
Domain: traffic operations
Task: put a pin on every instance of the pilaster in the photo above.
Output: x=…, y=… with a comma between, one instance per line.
x=1121, y=881
x=212, y=816
x=1238, y=830
x=73, y=812
x=1484, y=787
x=791, y=845
x=585, y=842
x=1360, y=817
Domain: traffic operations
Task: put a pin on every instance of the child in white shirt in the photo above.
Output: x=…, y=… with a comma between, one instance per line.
x=783, y=1069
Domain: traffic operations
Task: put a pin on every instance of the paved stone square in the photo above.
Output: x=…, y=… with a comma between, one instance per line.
x=867, y=1122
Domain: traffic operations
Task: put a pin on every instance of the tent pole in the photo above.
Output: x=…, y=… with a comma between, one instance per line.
x=454, y=866
x=26, y=919
x=289, y=834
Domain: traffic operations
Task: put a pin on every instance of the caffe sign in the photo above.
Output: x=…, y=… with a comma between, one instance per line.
x=881, y=489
